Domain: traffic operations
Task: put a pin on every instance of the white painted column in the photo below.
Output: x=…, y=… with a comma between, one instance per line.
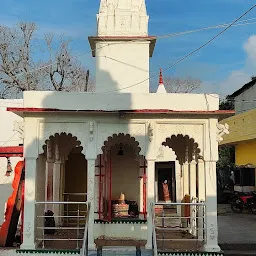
x=186, y=179
x=46, y=185
x=201, y=197
x=192, y=182
x=150, y=200
x=201, y=180
x=91, y=199
x=192, y=179
x=211, y=235
x=29, y=204
x=179, y=185
x=56, y=190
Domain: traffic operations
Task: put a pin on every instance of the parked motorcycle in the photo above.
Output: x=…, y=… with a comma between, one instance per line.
x=240, y=201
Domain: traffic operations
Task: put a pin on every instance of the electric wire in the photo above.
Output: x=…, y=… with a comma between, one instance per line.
x=241, y=23
x=191, y=53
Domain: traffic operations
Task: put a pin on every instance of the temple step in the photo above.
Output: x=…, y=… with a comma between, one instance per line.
x=119, y=251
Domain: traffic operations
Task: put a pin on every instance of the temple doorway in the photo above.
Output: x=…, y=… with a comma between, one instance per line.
x=121, y=178
x=165, y=179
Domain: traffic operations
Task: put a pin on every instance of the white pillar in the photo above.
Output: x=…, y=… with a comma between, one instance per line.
x=186, y=179
x=179, y=185
x=91, y=199
x=46, y=185
x=150, y=200
x=201, y=197
x=192, y=179
x=193, y=196
x=201, y=180
x=56, y=190
x=211, y=235
x=29, y=204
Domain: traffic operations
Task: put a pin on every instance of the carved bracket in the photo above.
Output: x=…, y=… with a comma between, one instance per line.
x=222, y=129
x=91, y=131
x=150, y=132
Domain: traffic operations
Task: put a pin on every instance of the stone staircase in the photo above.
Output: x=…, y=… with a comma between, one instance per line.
x=183, y=240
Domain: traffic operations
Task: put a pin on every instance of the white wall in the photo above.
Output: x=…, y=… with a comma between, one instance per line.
x=117, y=68
x=125, y=175
x=7, y=138
x=123, y=230
x=248, y=97
x=121, y=101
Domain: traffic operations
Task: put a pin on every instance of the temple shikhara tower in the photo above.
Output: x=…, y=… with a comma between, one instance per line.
x=122, y=38
x=121, y=163
x=122, y=18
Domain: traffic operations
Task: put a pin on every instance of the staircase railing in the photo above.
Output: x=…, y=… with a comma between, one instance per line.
x=191, y=223
x=154, y=230
x=84, y=251
x=70, y=233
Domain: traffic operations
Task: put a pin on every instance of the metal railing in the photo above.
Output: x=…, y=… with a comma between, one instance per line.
x=192, y=224
x=59, y=223
x=84, y=251
x=78, y=197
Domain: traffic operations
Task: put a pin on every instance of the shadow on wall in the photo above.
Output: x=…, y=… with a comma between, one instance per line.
x=36, y=159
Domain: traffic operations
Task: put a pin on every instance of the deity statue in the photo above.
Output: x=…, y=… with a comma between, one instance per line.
x=166, y=191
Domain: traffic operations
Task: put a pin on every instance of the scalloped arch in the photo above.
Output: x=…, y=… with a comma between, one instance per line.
x=185, y=148
x=121, y=138
x=66, y=143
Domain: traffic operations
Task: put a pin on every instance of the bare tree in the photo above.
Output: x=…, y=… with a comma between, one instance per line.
x=21, y=71
x=181, y=85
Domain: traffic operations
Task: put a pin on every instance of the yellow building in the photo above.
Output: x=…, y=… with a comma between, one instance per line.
x=242, y=126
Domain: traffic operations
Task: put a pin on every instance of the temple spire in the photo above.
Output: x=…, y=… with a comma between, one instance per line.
x=161, y=88
x=122, y=18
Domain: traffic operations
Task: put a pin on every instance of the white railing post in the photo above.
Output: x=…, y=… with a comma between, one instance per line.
x=84, y=251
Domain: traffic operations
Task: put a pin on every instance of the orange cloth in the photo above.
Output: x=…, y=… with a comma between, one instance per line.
x=166, y=192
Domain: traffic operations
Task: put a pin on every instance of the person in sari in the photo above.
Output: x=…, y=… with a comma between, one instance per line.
x=166, y=191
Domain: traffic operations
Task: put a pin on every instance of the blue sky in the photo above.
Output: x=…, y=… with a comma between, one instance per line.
x=223, y=66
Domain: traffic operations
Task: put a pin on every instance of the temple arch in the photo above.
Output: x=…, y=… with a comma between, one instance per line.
x=190, y=164
x=185, y=148
x=121, y=170
x=65, y=173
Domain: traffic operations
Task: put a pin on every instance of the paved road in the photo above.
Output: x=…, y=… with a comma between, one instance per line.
x=236, y=228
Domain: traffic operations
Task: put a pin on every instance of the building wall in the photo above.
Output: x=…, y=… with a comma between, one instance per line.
x=242, y=127
x=75, y=175
x=125, y=175
x=246, y=153
x=94, y=131
x=117, y=69
x=8, y=137
x=246, y=100
x=121, y=101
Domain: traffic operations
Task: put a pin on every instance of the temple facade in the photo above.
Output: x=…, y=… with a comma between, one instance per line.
x=122, y=163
